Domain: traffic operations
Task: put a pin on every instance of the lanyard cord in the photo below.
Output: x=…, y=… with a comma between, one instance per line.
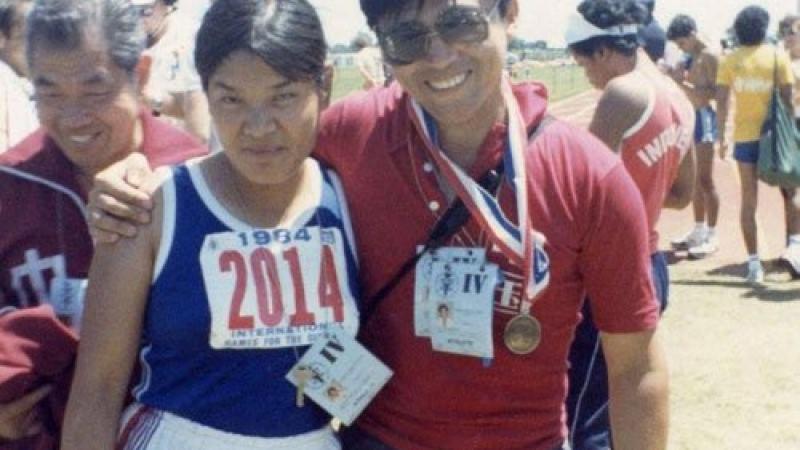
x=448, y=224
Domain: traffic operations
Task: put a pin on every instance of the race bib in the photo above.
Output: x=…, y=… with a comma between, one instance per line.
x=340, y=375
x=276, y=288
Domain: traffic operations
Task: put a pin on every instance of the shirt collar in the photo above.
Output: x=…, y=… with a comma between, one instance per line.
x=532, y=100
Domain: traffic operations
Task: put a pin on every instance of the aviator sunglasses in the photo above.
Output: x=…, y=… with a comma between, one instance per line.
x=405, y=42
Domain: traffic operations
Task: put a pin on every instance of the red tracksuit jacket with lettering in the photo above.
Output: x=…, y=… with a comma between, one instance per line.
x=44, y=235
x=43, y=230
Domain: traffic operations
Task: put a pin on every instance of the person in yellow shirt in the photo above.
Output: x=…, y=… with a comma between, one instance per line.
x=748, y=72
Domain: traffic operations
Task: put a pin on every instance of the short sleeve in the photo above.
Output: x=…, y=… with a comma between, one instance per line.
x=615, y=260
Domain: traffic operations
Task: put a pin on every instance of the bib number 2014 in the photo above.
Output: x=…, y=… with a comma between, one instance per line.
x=262, y=268
x=274, y=288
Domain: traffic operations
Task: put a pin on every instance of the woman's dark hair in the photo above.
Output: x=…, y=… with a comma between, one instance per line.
x=751, y=25
x=681, y=26
x=286, y=34
x=607, y=13
x=375, y=10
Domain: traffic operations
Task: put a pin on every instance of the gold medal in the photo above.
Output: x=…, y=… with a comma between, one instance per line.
x=522, y=334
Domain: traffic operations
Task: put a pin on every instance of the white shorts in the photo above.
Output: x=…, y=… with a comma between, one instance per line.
x=145, y=428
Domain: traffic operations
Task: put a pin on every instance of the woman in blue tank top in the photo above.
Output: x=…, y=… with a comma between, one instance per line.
x=249, y=259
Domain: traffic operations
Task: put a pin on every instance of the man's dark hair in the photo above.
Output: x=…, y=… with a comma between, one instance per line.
x=607, y=13
x=375, y=10
x=286, y=34
x=681, y=26
x=751, y=25
x=9, y=16
x=65, y=24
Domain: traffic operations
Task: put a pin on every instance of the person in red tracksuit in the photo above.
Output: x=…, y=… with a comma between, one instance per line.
x=88, y=103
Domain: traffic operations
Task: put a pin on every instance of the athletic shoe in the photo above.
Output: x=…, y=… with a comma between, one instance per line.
x=791, y=258
x=755, y=273
x=690, y=239
x=708, y=247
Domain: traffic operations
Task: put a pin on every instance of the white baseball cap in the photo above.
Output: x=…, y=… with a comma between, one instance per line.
x=579, y=29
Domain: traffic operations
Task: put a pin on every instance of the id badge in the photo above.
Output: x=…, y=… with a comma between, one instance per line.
x=343, y=376
x=461, y=305
x=422, y=279
x=66, y=297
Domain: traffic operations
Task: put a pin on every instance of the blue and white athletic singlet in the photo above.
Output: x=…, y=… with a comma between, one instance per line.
x=284, y=283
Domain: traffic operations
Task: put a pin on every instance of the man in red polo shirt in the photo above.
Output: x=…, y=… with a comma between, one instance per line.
x=88, y=103
x=564, y=220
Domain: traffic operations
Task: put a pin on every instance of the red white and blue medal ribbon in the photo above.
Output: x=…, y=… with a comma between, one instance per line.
x=523, y=245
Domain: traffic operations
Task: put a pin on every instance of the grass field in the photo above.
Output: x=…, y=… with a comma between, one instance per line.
x=561, y=81
x=345, y=81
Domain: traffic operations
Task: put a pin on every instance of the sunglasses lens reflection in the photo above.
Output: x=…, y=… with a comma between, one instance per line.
x=409, y=41
x=462, y=25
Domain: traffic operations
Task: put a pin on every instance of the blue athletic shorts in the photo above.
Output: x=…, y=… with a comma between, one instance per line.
x=746, y=152
x=705, y=125
x=587, y=399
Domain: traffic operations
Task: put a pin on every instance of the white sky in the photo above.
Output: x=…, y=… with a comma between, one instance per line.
x=546, y=19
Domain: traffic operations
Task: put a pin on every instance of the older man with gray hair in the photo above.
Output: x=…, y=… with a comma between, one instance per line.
x=83, y=57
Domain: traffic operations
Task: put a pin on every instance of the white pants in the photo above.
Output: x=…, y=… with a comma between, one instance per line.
x=145, y=428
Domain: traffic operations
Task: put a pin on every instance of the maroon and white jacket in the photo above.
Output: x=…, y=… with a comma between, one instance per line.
x=45, y=253
x=45, y=247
